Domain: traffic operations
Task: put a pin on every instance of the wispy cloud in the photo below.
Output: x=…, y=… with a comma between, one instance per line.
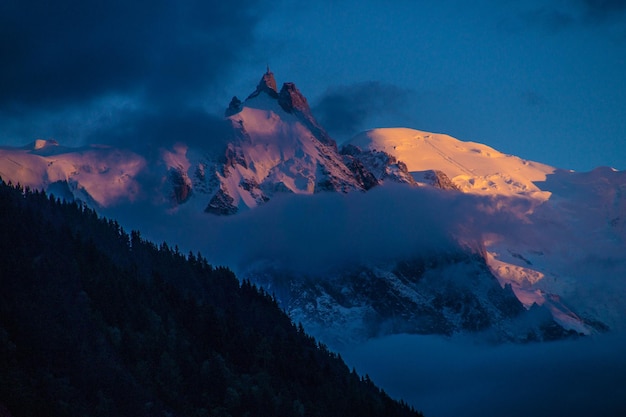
x=345, y=110
x=599, y=10
x=553, y=16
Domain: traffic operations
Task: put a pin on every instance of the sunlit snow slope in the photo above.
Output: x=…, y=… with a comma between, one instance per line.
x=100, y=175
x=473, y=167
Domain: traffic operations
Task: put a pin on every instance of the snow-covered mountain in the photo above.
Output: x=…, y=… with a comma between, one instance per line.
x=438, y=293
x=278, y=146
x=275, y=146
x=472, y=167
x=98, y=175
x=538, y=252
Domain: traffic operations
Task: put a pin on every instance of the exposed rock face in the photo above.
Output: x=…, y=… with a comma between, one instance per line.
x=293, y=102
x=221, y=204
x=266, y=85
x=365, y=178
x=440, y=294
x=234, y=155
x=291, y=99
x=181, y=185
x=234, y=107
x=436, y=178
x=380, y=165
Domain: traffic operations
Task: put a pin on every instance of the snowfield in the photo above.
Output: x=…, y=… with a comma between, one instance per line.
x=473, y=167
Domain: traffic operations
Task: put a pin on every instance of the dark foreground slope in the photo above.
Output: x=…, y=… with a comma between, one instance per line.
x=94, y=321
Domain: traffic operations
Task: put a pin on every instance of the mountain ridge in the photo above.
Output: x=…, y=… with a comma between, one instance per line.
x=276, y=147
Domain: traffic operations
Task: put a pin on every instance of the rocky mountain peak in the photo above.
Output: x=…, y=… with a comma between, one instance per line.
x=42, y=143
x=290, y=99
x=267, y=84
x=234, y=107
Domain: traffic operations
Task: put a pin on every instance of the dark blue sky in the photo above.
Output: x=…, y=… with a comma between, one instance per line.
x=544, y=80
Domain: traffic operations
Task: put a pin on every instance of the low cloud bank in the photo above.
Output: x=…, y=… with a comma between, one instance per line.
x=460, y=377
x=314, y=233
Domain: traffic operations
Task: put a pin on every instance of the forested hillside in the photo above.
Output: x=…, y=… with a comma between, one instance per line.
x=96, y=321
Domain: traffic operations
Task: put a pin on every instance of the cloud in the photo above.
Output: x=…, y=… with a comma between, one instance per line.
x=553, y=17
x=442, y=377
x=599, y=10
x=146, y=131
x=346, y=110
x=308, y=233
x=63, y=60
x=74, y=50
x=326, y=231
x=463, y=377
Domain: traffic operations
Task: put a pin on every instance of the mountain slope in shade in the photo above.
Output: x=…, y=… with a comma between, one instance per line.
x=446, y=293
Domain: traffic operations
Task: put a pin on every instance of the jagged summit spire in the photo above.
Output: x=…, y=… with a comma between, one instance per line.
x=290, y=99
x=267, y=85
x=234, y=107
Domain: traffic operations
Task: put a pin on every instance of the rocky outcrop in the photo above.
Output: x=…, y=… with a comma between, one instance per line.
x=380, y=165
x=436, y=178
x=221, y=204
x=234, y=107
x=181, y=185
x=266, y=85
x=293, y=102
x=439, y=294
x=364, y=177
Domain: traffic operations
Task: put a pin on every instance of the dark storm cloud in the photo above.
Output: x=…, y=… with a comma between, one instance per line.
x=346, y=109
x=145, y=131
x=73, y=50
x=67, y=65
